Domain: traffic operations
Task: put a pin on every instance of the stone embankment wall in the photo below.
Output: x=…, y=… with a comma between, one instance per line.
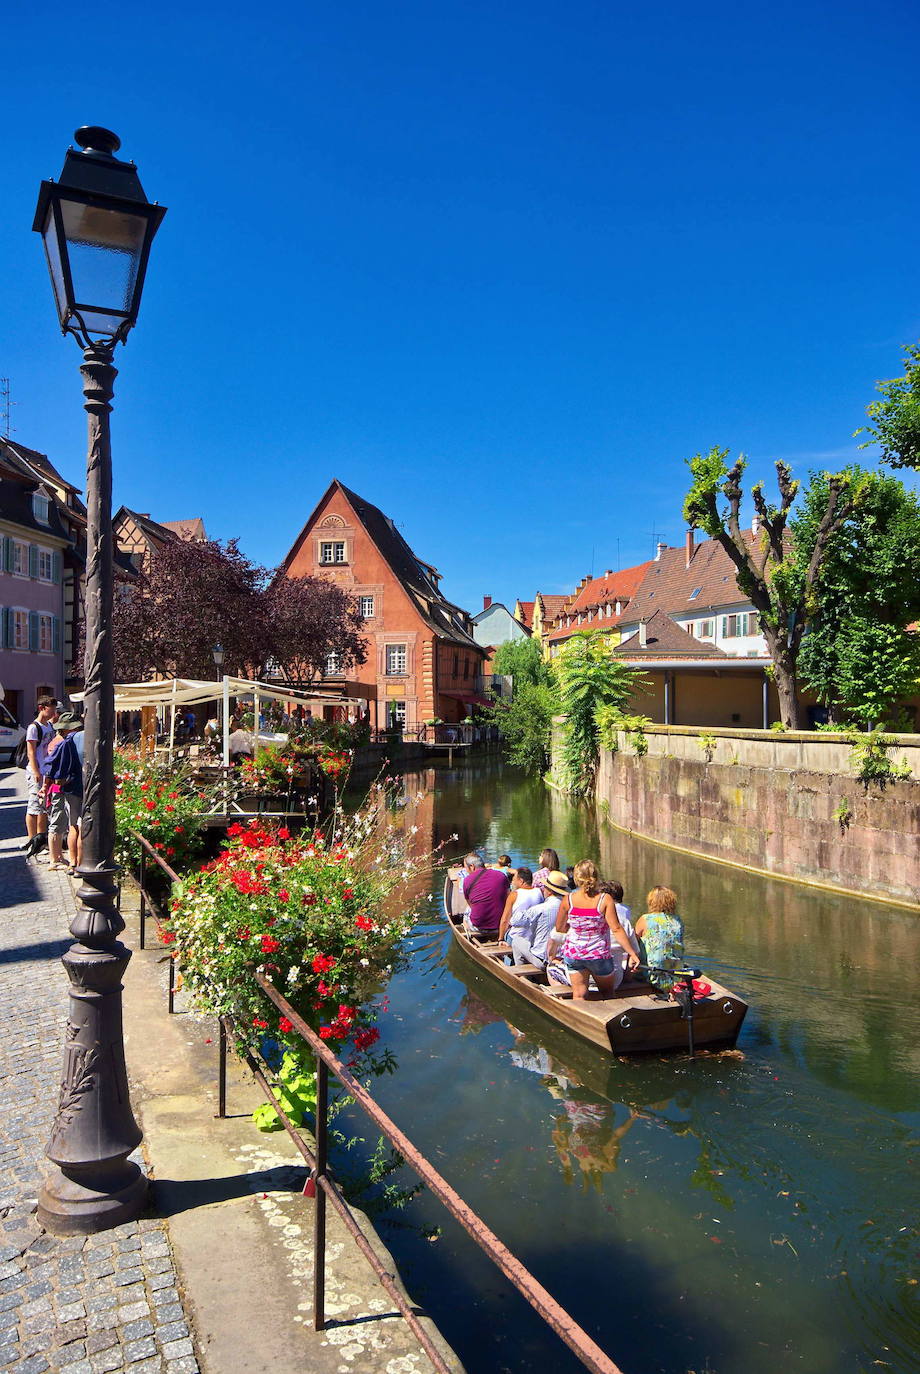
x=787, y=804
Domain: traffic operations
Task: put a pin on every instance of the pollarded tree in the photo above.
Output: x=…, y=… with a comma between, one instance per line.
x=858, y=656
x=894, y=421
x=309, y=620
x=783, y=601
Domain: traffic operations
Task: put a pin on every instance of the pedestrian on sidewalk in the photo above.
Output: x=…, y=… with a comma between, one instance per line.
x=38, y=736
x=64, y=788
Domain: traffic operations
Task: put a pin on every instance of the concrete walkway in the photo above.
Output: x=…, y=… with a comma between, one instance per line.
x=219, y=1275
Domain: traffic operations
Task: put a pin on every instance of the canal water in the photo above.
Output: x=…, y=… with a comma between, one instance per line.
x=746, y=1212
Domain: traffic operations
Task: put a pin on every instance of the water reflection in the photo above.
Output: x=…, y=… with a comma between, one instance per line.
x=758, y=1208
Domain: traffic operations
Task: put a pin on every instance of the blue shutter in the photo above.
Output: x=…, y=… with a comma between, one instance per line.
x=725, y=627
x=7, y=554
x=56, y=634
x=56, y=566
x=6, y=641
x=33, y=631
x=33, y=560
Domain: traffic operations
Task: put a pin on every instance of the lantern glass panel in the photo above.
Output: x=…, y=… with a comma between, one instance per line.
x=104, y=248
x=52, y=253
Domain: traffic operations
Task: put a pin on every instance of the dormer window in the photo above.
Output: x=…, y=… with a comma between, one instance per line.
x=41, y=507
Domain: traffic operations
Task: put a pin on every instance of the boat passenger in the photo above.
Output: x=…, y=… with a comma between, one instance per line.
x=549, y=863
x=530, y=947
x=504, y=865
x=485, y=890
x=660, y=932
x=570, y=874
x=615, y=890
x=586, y=924
x=523, y=896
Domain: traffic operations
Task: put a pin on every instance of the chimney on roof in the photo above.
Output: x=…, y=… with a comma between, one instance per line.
x=755, y=525
x=691, y=545
x=486, y=602
x=659, y=550
x=609, y=572
x=643, y=635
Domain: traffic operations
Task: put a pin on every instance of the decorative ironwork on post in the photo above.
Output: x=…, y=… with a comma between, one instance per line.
x=97, y=227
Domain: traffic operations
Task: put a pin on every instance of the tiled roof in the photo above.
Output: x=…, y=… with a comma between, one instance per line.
x=186, y=529
x=669, y=583
x=418, y=578
x=553, y=604
x=663, y=636
x=596, y=593
x=527, y=613
x=612, y=586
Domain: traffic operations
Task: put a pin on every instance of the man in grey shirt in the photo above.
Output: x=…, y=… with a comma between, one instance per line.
x=530, y=948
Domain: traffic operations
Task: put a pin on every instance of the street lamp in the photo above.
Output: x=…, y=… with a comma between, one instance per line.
x=218, y=653
x=97, y=226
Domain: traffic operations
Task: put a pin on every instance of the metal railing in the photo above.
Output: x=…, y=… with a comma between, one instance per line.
x=322, y=1186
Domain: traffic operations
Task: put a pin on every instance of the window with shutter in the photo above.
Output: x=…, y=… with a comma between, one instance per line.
x=33, y=631
x=33, y=561
x=7, y=554
x=55, y=567
x=55, y=634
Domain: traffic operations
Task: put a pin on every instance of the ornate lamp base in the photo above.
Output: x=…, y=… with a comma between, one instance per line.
x=94, y=1185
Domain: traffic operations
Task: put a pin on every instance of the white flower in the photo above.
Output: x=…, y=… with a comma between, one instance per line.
x=413, y=829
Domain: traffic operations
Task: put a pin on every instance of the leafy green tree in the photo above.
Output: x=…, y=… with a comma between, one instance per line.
x=526, y=723
x=894, y=421
x=590, y=679
x=523, y=661
x=858, y=655
x=764, y=567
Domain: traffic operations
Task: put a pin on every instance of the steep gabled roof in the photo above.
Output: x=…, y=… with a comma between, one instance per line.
x=610, y=588
x=594, y=595
x=29, y=458
x=187, y=529
x=553, y=604
x=151, y=529
x=526, y=616
x=418, y=579
x=664, y=637
x=669, y=583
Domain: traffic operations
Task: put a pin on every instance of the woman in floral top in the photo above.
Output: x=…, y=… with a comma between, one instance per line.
x=587, y=921
x=660, y=933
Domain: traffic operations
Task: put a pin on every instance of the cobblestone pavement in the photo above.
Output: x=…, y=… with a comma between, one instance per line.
x=80, y=1304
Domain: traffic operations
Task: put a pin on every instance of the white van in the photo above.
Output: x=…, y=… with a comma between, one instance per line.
x=11, y=736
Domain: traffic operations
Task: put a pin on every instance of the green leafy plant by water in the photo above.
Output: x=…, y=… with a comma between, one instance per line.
x=870, y=761
x=590, y=681
x=611, y=722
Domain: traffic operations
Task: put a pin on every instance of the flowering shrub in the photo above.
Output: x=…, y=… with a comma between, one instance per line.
x=334, y=763
x=321, y=915
x=162, y=805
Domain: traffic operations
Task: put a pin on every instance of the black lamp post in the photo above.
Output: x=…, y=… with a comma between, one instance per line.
x=218, y=653
x=97, y=227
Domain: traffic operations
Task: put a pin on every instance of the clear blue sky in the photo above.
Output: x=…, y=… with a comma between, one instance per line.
x=499, y=266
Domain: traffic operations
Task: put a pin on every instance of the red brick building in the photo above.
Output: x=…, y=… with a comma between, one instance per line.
x=422, y=662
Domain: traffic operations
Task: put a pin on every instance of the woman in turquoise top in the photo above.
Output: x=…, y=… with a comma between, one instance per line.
x=660, y=933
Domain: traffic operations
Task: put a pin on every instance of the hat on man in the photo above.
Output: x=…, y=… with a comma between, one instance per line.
x=557, y=882
x=68, y=721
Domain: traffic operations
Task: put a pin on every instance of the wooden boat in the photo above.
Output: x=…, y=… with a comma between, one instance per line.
x=635, y=1018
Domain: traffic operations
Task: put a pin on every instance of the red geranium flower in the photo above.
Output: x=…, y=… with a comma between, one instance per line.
x=151, y=806
x=283, y=894
x=309, y=899
x=243, y=933
x=365, y=1038
x=284, y=833
x=284, y=1025
x=364, y=923
x=269, y=944
x=259, y=1023
x=322, y=963
x=326, y=1033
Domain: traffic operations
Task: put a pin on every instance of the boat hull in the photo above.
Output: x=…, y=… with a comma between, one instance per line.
x=634, y=1020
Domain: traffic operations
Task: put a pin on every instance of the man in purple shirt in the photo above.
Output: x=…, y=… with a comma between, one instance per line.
x=485, y=890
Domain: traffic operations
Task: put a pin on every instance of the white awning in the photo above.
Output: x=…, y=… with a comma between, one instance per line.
x=183, y=691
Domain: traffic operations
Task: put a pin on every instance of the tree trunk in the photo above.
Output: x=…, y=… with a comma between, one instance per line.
x=790, y=707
